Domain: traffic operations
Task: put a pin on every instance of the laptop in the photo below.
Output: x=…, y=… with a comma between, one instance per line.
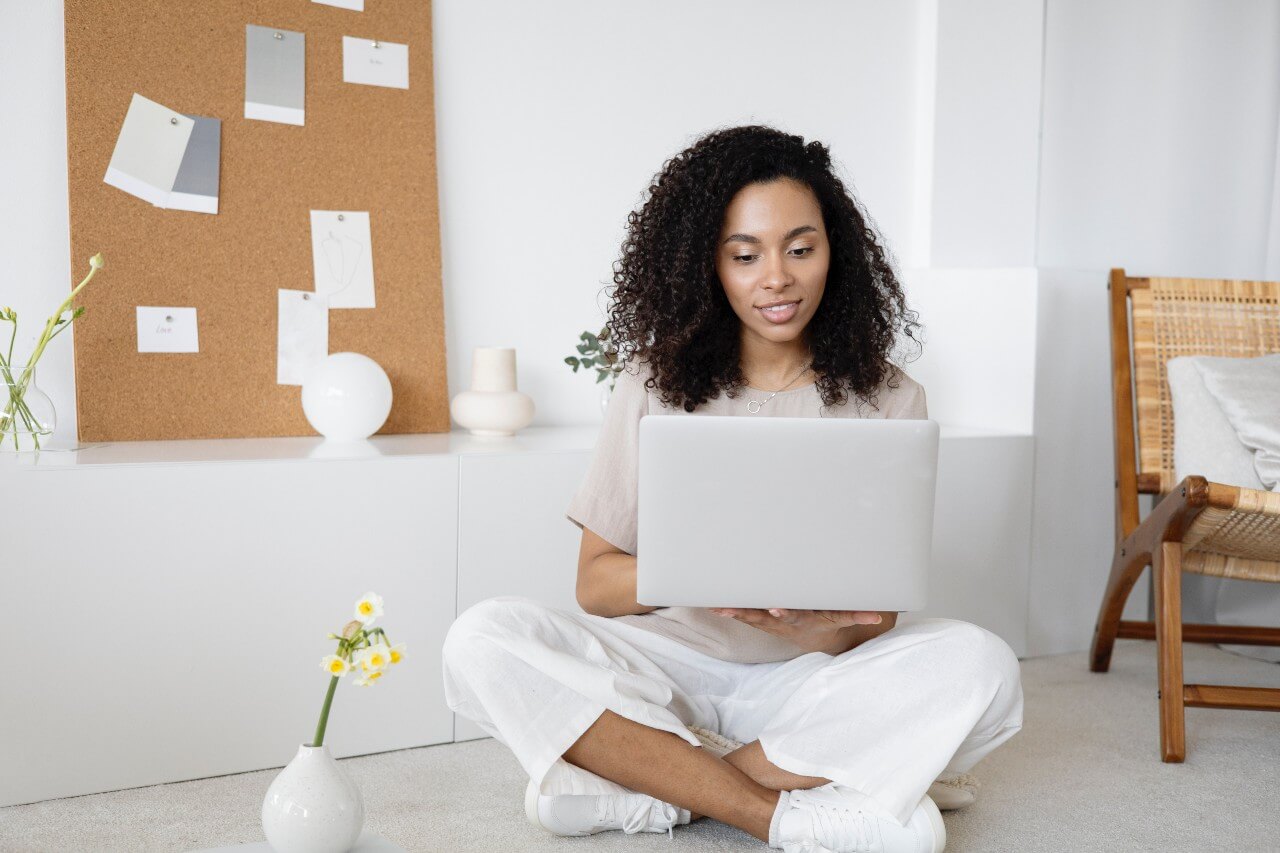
x=812, y=513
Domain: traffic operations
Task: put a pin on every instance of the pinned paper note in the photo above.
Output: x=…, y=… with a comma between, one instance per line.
x=342, y=255
x=275, y=63
x=375, y=63
x=302, y=335
x=353, y=5
x=149, y=150
x=196, y=186
x=167, y=330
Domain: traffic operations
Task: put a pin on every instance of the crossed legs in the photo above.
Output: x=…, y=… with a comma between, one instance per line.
x=740, y=789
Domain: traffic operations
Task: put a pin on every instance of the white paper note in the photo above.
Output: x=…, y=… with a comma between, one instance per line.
x=375, y=63
x=149, y=150
x=167, y=330
x=302, y=337
x=342, y=254
x=275, y=75
x=353, y=5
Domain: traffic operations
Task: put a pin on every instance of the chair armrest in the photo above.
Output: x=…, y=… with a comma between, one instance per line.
x=1170, y=518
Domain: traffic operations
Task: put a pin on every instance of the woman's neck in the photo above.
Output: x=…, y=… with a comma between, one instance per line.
x=770, y=365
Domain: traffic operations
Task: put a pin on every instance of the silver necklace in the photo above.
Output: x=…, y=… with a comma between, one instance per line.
x=753, y=405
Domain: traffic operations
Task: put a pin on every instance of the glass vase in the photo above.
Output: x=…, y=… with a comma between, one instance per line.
x=26, y=413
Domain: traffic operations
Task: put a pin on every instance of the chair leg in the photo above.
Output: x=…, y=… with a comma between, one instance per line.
x=1167, y=572
x=1125, y=571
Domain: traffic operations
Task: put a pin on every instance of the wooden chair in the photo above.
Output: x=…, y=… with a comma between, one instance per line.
x=1196, y=526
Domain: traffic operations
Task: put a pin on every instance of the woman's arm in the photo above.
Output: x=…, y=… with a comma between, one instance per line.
x=606, y=578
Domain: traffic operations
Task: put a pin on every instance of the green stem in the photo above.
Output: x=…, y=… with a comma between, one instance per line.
x=324, y=713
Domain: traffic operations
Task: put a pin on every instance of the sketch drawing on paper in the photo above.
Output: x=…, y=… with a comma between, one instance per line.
x=342, y=253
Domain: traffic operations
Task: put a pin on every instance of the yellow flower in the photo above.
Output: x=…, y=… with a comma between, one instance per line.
x=368, y=608
x=375, y=658
x=367, y=679
x=397, y=653
x=335, y=665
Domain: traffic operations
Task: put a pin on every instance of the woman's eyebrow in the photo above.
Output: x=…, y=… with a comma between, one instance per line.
x=748, y=238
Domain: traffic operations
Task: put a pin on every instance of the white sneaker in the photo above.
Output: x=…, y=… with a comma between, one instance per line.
x=834, y=819
x=587, y=814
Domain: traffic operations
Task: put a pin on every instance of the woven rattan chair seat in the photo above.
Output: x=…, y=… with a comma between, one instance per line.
x=1241, y=542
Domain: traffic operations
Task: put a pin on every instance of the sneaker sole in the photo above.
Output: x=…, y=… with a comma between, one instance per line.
x=935, y=820
x=531, y=806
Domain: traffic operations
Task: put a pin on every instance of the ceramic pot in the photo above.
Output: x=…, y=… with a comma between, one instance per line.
x=313, y=806
x=493, y=406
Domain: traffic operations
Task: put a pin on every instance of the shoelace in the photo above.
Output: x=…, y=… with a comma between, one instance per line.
x=636, y=813
x=840, y=827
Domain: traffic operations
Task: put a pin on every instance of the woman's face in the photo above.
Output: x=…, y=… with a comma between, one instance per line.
x=773, y=251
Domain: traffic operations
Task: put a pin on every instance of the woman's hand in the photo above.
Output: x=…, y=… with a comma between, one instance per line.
x=830, y=631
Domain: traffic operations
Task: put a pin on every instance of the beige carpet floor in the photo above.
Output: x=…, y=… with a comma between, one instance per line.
x=1082, y=775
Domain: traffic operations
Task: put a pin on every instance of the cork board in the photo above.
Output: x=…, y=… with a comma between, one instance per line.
x=362, y=148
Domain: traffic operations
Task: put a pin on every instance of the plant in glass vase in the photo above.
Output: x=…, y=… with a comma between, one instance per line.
x=26, y=412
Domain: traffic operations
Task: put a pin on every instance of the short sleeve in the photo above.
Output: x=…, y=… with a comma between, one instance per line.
x=607, y=500
x=908, y=400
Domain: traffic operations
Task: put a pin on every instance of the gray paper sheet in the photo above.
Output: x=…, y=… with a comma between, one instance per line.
x=196, y=187
x=275, y=63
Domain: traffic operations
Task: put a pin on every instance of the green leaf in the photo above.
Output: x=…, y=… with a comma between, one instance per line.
x=571, y=361
x=604, y=334
x=583, y=349
x=603, y=375
x=588, y=362
x=592, y=339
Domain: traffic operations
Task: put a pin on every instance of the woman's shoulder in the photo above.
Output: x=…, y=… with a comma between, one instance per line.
x=900, y=396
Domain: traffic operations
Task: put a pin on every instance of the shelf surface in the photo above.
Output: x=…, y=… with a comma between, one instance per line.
x=303, y=448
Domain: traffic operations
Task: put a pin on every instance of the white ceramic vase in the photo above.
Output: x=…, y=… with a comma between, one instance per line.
x=493, y=406
x=313, y=806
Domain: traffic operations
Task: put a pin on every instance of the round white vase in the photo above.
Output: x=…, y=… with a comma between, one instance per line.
x=346, y=397
x=313, y=806
x=493, y=406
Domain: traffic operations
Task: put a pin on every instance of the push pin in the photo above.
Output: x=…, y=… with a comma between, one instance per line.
x=341, y=218
x=168, y=318
x=173, y=121
x=376, y=46
x=279, y=36
x=306, y=296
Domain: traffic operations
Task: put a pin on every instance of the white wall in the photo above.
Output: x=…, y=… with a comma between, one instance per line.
x=1159, y=145
x=34, y=242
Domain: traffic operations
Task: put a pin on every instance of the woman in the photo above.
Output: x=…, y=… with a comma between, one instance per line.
x=749, y=284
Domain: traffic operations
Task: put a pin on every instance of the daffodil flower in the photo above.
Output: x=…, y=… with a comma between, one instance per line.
x=368, y=608
x=368, y=678
x=397, y=653
x=335, y=666
x=375, y=658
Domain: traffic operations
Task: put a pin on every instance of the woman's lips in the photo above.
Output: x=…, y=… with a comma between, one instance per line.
x=780, y=314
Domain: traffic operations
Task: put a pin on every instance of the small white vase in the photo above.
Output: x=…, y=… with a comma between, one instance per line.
x=313, y=806
x=493, y=406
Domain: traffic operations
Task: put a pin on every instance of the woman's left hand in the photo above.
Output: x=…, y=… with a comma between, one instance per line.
x=811, y=630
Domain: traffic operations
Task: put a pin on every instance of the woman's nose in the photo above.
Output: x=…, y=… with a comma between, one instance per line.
x=775, y=271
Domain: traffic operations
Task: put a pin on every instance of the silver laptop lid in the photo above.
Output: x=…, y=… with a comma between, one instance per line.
x=821, y=513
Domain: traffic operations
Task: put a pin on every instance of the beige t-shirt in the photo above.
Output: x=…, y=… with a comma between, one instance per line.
x=606, y=502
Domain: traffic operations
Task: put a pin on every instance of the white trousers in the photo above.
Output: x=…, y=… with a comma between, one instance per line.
x=885, y=718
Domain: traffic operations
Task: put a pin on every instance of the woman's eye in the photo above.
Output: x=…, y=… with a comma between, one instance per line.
x=743, y=257
x=804, y=249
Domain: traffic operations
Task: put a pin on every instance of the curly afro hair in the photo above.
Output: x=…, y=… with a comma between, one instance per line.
x=669, y=309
